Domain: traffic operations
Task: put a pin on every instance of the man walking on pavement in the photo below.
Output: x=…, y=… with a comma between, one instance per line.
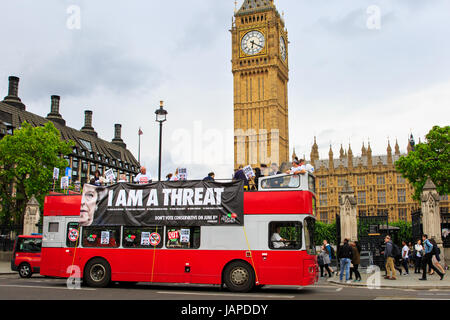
x=427, y=259
x=345, y=255
x=389, y=258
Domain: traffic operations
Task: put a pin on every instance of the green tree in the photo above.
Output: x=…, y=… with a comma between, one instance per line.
x=429, y=160
x=325, y=231
x=27, y=159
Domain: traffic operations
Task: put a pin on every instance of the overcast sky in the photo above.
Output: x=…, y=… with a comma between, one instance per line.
x=359, y=70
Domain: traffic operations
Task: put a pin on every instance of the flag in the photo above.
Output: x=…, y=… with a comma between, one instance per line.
x=412, y=143
x=140, y=132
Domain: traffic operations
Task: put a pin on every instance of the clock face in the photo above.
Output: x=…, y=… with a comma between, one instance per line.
x=253, y=42
x=283, y=48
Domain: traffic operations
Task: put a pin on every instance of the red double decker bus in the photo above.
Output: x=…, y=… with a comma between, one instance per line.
x=274, y=246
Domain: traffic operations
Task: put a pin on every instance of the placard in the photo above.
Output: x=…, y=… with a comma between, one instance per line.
x=248, y=171
x=110, y=176
x=182, y=174
x=104, y=237
x=64, y=182
x=185, y=235
x=145, y=238
x=177, y=203
x=55, y=173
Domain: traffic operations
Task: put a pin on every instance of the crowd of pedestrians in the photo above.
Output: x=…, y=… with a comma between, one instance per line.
x=423, y=257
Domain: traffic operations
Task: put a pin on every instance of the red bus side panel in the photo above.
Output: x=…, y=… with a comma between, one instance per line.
x=185, y=266
x=62, y=205
x=287, y=202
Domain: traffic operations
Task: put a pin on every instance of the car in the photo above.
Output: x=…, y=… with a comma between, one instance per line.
x=26, y=257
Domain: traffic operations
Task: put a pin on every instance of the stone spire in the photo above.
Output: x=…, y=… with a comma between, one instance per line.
x=314, y=152
x=397, y=148
x=389, y=153
x=294, y=155
x=363, y=151
x=330, y=159
x=369, y=156
x=350, y=156
x=341, y=153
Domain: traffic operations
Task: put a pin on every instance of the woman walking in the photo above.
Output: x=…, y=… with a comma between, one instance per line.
x=325, y=260
x=355, y=262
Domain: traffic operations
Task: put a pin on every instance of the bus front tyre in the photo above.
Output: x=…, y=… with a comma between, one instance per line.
x=239, y=277
x=97, y=273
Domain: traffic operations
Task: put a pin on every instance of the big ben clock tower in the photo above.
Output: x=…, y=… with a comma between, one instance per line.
x=261, y=73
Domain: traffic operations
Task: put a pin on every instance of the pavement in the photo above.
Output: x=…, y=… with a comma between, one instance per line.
x=5, y=267
x=375, y=280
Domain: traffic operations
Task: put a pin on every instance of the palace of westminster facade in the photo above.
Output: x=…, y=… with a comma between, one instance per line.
x=379, y=188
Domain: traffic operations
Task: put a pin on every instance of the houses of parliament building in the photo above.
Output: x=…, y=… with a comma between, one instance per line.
x=379, y=189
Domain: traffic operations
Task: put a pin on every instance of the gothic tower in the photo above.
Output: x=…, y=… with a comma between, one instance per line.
x=261, y=73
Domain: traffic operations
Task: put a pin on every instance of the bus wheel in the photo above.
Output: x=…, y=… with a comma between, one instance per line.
x=25, y=270
x=239, y=277
x=97, y=273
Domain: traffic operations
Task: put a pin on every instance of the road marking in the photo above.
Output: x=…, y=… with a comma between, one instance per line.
x=43, y=287
x=407, y=298
x=228, y=295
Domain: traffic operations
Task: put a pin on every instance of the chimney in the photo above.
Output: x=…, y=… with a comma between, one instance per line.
x=88, y=124
x=13, y=94
x=54, y=114
x=118, y=136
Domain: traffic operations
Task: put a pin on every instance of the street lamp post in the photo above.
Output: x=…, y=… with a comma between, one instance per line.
x=161, y=116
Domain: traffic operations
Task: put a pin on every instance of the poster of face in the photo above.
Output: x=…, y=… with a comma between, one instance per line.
x=89, y=203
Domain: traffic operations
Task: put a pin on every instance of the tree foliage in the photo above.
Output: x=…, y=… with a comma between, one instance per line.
x=429, y=160
x=27, y=159
x=324, y=231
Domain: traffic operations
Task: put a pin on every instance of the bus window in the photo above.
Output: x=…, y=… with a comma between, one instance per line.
x=309, y=235
x=285, y=235
x=72, y=235
x=53, y=227
x=29, y=245
x=101, y=237
x=281, y=182
x=311, y=183
x=145, y=237
x=183, y=237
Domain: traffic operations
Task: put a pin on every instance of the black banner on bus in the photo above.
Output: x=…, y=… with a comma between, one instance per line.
x=181, y=203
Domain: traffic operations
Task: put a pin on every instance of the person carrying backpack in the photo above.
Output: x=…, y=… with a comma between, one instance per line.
x=427, y=259
x=331, y=253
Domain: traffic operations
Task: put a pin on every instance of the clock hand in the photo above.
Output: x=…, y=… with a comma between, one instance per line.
x=253, y=43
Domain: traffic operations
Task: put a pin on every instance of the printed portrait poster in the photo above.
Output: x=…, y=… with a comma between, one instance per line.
x=248, y=171
x=185, y=235
x=145, y=238
x=170, y=203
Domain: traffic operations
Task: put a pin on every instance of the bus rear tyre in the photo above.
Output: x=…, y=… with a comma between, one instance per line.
x=25, y=270
x=97, y=273
x=239, y=277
